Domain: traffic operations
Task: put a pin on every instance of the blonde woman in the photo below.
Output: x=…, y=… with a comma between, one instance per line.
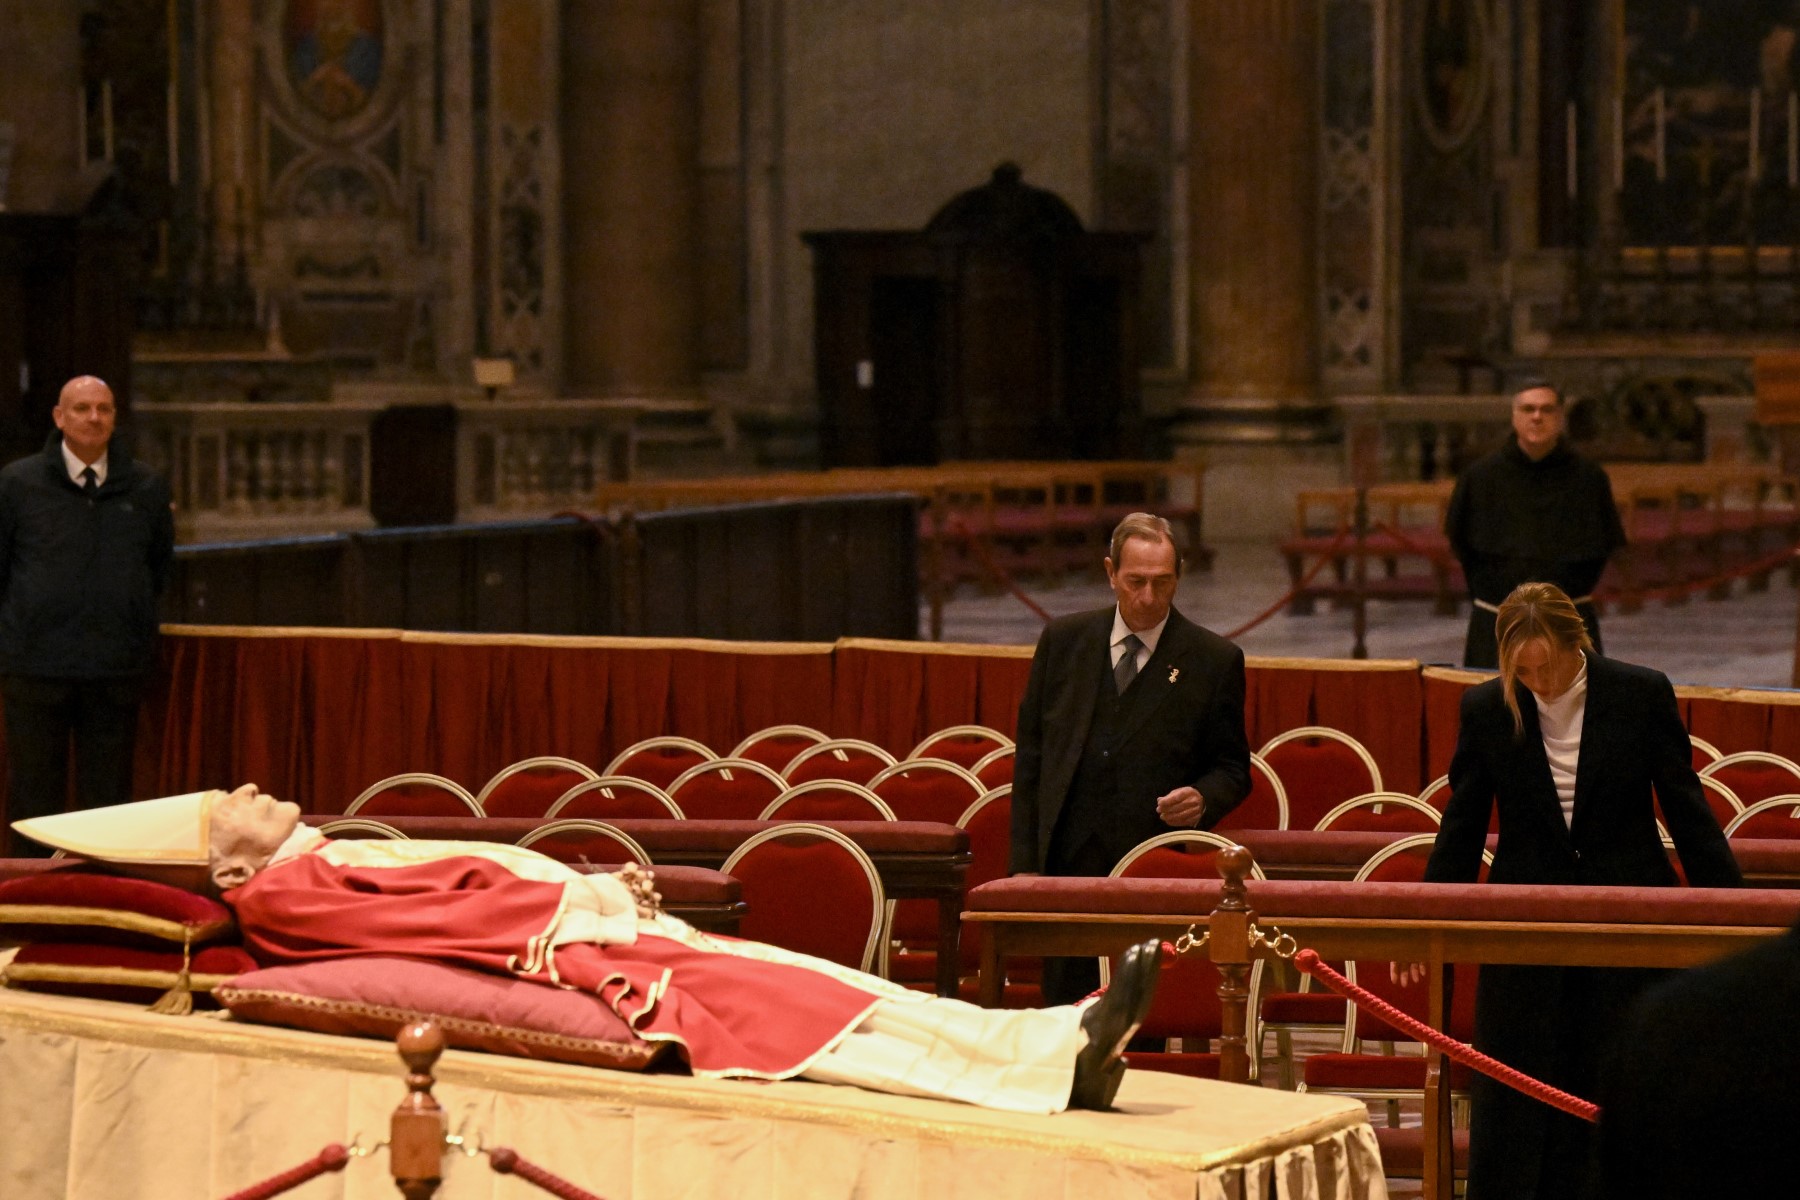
x=1577, y=751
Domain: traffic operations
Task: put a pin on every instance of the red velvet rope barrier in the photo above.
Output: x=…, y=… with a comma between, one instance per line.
x=1325, y=557
x=508, y=1162
x=956, y=526
x=331, y=1158
x=1369, y=1002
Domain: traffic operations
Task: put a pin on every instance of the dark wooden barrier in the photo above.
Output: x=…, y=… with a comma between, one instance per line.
x=1438, y=924
x=818, y=569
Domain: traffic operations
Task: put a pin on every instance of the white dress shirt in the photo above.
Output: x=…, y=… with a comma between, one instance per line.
x=1560, y=722
x=76, y=467
x=1148, y=637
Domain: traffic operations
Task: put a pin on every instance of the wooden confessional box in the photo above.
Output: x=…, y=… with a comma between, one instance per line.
x=66, y=309
x=1002, y=330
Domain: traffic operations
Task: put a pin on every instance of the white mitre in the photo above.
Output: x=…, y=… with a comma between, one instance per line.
x=167, y=839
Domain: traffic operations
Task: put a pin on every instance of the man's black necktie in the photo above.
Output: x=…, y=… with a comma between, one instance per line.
x=90, y=482
x=1126, y=669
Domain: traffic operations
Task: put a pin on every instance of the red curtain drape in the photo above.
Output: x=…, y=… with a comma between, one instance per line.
x=318, y=715
x=1375, y=702
x=894, y=693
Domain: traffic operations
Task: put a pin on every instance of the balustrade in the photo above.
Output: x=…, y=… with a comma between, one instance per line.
x=253, y=470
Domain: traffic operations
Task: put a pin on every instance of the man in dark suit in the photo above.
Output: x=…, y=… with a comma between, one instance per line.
x=1701, y=1097
x=1132, y=725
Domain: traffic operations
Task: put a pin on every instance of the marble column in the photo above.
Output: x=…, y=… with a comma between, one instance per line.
x=231, y=121
x=1253, y=335
x=39, y=95
x=630, y=162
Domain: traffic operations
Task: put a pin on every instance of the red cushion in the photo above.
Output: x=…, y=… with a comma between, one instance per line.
x=1355, y=1072
x=375, y=997
x=136, y=974
x=75, y=904
x=530, y=793
x=807, y=895
x=1303, y=1008
x=1197, y=1066
x=1403, y=1150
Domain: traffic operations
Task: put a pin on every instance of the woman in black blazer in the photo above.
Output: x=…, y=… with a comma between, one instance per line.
x=1577, y=750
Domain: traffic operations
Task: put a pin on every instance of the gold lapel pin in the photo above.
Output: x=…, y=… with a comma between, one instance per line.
x=1174, y=674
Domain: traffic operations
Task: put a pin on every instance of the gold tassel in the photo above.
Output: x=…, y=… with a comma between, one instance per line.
x=178, y=1001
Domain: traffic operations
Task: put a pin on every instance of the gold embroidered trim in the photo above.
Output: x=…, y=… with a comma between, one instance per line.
x=114, y=976
x=623, y=1051
x=112, y=918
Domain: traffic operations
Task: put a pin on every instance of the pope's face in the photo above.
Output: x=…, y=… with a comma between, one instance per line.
x=247, y=828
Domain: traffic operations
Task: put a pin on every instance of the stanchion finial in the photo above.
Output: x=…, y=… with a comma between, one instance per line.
x=416, y=1134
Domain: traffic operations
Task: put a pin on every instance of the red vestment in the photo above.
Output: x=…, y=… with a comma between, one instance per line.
x=731, y=1015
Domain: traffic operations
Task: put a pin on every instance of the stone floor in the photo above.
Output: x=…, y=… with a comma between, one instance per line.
x=1744, y=641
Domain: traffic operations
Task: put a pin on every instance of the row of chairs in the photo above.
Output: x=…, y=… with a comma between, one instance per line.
x=672, y=776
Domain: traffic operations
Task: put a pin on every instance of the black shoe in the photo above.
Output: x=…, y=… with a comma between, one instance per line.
x=1109, y=1023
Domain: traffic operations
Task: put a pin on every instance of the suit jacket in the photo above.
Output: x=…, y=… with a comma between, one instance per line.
x=1632, y=740
x=1187, y=731
x=1701, y=1097
x=1557, y=1023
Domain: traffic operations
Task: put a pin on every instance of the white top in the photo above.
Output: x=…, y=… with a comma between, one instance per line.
x=75, y=466
x=1560, y=722
x=1148, y=637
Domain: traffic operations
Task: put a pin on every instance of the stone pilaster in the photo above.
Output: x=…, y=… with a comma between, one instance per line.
x=630, y=166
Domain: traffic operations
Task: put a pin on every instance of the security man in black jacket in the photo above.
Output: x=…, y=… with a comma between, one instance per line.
x=86, y=538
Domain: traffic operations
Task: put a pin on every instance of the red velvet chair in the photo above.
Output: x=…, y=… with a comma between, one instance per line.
x=927, y=789
x=583, y=841
x=1387, y=1076
x=1381, y=812
x=615, y=798
x=1319, y=769
x=415, y=794
x=996, y=768
x=1266, y=807
x=529, y=787
x=827, y=800
x=1705, y=753
x=1776, y=817
x=776, y=746
x=1187, y=995
x=810, y=889
x=352, y=827
x=841, y=758
x=1754, y=775
x=964, y=745
x=726, y=789
x=1437, y=794
x=659, y=760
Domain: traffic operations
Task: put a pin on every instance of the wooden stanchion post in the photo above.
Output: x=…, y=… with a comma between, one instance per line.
x=418, y=1129
x=1228, y=942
